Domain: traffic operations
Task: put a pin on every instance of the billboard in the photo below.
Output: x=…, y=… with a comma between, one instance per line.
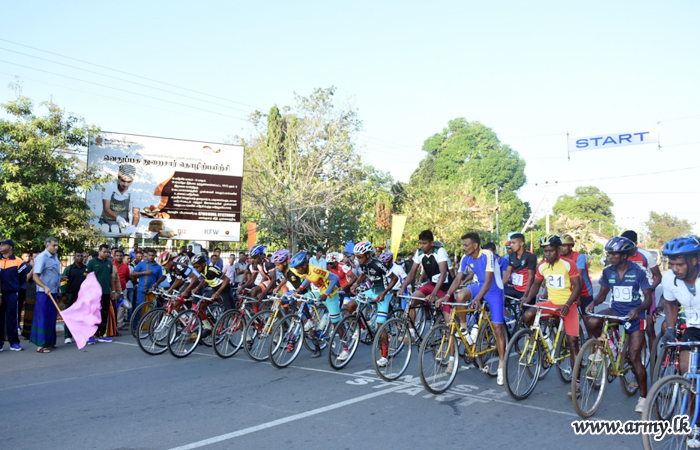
x=167, y=187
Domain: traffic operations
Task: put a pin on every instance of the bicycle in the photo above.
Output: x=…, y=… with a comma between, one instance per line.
x=399, y=339
x=259, y=329
x=437, y=363
x=230, y=329
x=152, y=329
x=599, y=361
x=673, y=397
x=144, y=308
x=532, y=352
x=289, y=335
x=185, y=331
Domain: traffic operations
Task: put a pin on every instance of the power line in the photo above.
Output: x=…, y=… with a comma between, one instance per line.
x=127, y=73
x=625, y=176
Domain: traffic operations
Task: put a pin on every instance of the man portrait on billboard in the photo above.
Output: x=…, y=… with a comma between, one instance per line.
x=116, y=203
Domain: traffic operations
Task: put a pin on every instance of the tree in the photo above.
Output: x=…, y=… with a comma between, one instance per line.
x=305, y=172
x=42, y=182
x=588, y=203
x=471, y=151
x=664, y=227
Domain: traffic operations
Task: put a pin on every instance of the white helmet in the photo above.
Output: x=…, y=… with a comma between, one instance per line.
x=334, y=257
x=363, y=247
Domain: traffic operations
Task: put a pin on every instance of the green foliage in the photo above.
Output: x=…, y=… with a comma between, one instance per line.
x=42, y=182
x=588, y=203
x=664, y=227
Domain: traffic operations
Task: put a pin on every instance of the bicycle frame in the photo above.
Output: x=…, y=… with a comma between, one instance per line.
x=617, y=365
x=539, y=336
x=423, y=303
x=484, y=319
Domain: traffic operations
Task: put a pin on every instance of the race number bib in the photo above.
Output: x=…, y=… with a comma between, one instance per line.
x=517, y=279
x=555, y=281
x=692, y=317
x=622, y=294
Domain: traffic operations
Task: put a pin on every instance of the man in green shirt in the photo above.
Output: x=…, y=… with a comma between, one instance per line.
x=103, y=272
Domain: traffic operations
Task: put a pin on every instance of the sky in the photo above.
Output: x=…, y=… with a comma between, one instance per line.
x=532, y=71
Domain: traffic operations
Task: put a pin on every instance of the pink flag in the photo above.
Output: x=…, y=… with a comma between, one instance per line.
x=83, y=317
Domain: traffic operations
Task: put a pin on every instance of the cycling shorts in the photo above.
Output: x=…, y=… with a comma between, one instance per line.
x=333, y=306
x=691, y=334
x=495, y=301
x=427, y=289
x=570, y=321
x=585, y=301
x=383, y=306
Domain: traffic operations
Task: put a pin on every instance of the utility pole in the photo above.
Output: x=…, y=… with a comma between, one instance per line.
x=498, y=229
x=547, y=211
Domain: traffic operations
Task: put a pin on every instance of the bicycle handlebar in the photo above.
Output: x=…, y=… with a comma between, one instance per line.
x=201, y=297
x=605, y=316
x=676, y=343
x=541, y=307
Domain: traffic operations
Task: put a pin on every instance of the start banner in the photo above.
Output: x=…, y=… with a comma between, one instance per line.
x=167, y=187
x=612, y=140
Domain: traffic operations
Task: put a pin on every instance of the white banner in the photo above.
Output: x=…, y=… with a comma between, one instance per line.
x=167, y=187
x=612, y=140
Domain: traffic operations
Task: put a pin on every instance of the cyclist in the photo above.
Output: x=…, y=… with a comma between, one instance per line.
x=563, y=286
x=521, y=268
x=645, y=260
x=433, y=262
x=325, y=281
x=262, y=274
x=178, y=267
x=344, y=273
x=503, y=261
x=490, y=288
x=566, y=250
x=626, y=281
x=387, y=258
x=214, y=279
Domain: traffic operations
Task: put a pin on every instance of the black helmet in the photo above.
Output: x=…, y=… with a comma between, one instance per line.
x=199, y=259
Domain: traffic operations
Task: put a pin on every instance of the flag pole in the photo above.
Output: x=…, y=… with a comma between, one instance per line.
x=58, y=310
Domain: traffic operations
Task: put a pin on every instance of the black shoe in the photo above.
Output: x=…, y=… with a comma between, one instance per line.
x=316, y=353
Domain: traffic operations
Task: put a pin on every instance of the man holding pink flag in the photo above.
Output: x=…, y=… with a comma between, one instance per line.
x=47, y=276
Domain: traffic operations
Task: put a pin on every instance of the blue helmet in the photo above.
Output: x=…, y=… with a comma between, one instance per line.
x=257, y=250
x=620, y=244
x=298, y=259
x=683, y=245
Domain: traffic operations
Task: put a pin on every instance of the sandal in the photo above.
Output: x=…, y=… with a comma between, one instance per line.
x=43, y=350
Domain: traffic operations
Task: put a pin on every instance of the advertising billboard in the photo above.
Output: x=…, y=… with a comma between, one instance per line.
x=168, y=188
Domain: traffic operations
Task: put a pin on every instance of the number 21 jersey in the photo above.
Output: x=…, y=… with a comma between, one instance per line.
x=557, y=278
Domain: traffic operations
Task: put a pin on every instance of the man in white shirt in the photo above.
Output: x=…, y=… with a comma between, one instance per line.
x=319, y=260
x=116, y=203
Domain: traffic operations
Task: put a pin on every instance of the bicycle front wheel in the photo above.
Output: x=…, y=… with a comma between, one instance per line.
x=437, y=363
x=667, y=363
x=671, y=397
x=523, y=363
x=228, y=333
x=562, y=356
x=257, y=332
x=286, y=341
x=628, y=380
x=136, y=316
x=395, y=352
x=149, y=333
x=344, y=341
x=185, y=334
x=592, y=367
x=487, y=357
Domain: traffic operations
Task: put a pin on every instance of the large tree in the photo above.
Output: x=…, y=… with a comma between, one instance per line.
x=664, y=227
x=42, y=182
x=471, y=151
x=588, y=203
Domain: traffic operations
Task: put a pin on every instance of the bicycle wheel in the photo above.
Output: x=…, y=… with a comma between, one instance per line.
x=214, y=311
x=318, y=335
x=666, y=364
x=628, y=381
x=522, y=364
x=398, y=354
x=592, y=366
x=150, y=332
x=437, y=363
x=286, y=341
x=256, y=333
x=671, y=397
x=344, y=341
x=487, y=357
x=184, y=334
x=370, y=312
x=140, y=311
x=228, y=333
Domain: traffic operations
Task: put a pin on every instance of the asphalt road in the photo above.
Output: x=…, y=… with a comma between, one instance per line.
x=114, y=396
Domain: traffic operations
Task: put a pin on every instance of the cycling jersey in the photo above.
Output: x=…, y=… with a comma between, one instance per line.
x=431, y=266
x=520, y=275
x=213, y=276
x=341, y=272
x=678, y=291
x=263, y=270
x=294, y=278
x=398, y=270
x=486, y=262
x=321, y=278
x=582, y=266
x=626, y=291
x=377, y=274
x=181, y=271
x=558, y=278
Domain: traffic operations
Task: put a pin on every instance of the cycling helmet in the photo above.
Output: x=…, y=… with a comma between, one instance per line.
x=363, y=247
x=183, y=259
x=164, y=258
x=552, y=239
x=620, y=244
x=199, y=259
x=257, y=250
x=298, y=259
x=334, y=257
x=567, y=239
x=280, y=256
x=684, y=245
x=386, y=257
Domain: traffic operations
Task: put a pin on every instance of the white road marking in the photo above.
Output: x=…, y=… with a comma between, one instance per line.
x=295, y=417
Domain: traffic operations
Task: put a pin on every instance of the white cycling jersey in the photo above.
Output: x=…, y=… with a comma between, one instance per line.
x=676, y=290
